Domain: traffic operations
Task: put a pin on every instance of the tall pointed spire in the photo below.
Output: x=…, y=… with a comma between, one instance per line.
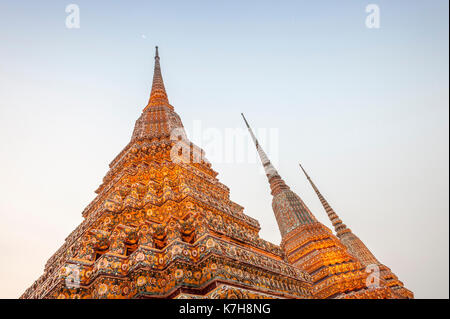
x=158, y=95
x=158, y=119
x=337, y=223
x=268, y=167
x=293, y=212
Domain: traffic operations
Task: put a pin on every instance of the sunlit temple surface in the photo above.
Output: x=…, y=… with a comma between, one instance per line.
x=163, y=226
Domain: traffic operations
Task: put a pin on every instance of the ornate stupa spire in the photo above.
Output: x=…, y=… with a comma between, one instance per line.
x=158, y=119
x=337, y=223
x=357, y=248
x=276, y=182
x=290, y=218
x=158, y=95
x=268, y=167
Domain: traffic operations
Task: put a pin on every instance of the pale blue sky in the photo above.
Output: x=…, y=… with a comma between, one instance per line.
x=365, y=111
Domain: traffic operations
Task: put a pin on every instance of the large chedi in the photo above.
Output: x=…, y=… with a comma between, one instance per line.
x=163, y=226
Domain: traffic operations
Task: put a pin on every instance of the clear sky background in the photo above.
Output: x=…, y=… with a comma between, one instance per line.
x=364, y=110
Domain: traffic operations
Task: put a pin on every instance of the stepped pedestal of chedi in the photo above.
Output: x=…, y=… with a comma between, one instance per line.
x=163, y=226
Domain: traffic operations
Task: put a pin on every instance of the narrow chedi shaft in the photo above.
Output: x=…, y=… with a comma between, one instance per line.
x=158, y=119
x=158, y=95
x=287, y=218
x=268, y=167
x=337, y=223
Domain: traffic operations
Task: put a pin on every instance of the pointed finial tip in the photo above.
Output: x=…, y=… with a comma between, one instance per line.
x=156, y=54
x=306, y=174
x=245, y=120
